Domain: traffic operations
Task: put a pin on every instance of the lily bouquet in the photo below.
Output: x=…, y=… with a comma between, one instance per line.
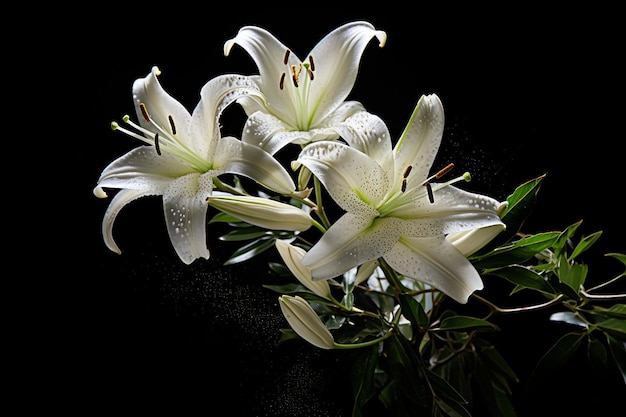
x=377, y=247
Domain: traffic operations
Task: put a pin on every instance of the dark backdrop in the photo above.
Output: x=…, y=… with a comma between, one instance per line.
x=526, y=93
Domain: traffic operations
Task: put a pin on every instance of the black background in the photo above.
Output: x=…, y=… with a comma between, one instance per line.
x=527, y=92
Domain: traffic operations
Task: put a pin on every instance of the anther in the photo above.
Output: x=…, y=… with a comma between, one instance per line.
x=403, y=189
x=444, y=171
x=310, y=72
x=282, y=81
x=311, y=62
x=295, y=74
x=286, y=56
x=144, y=112
x=172, y=125
x=156, y=144
x=407, y=171
x=429, y=189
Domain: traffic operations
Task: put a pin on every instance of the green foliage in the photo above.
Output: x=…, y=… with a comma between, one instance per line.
x=413, y=357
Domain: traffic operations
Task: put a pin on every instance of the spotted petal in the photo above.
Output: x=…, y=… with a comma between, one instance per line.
x=437, y=262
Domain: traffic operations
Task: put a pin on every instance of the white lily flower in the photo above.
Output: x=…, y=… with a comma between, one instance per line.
x=394, y=210
x=292, y=256
x=186, y=153
x=305, y=321
x=306, y=99
x=262, y=212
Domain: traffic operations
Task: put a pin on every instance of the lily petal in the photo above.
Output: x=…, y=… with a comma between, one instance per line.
x=237, y=157
x=354, y=180
x=185, y=208
x=353, y=240
x=119, y=201
x=337, y=57
x=437, y=262
x=419, y=143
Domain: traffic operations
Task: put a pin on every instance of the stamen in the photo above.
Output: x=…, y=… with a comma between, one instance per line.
x=407, y=171
x=403, y=189
x=312, y=63
x=282, y=81
x=429, y=189
x=144, y=112
x=310, y=72
x=156, y=144
x=444, y=171
x=286, y=56
x=172, y=125
x=295, y=74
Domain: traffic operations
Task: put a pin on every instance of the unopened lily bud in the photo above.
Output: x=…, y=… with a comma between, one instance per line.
x=262, y=212
x=470, y=241
x=292, y=255
x=305, y=321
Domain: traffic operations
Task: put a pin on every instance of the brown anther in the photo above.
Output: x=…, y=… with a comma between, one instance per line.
x=407, y=171
x=403, y=189
x=310, y=73
x=156, y=144
x=429, y=189
x=444, y=171
x=172, y=125
x=286, y=56
x=295, y=74
x=144, y=112
x=282, y=81
x=311, y=62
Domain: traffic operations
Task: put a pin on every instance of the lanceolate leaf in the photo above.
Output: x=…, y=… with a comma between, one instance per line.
x=520, y=204
x=558, y=354
x=523, y=277
x=517, y=252
x=466, y=323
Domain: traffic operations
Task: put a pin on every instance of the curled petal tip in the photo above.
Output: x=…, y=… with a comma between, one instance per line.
x=99, y=192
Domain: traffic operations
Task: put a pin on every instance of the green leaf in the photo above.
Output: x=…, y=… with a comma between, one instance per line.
x=584, y=244
x=597, y=355
x=363, y=373
x=516, y=252
x=573, y=275
x=615, y=327
x=443, y=389
x=414, y=312
x=520, y=204
x=494, y=360
x=523, y=277
x=618, y=352
x=557, y=355
x=465, y=323
x=250, y=250
x=244, y=233
x=452, y=409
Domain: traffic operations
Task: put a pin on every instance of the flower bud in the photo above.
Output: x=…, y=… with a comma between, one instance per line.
x=262, y=212
x=305, y=321
x=470, y=241
x=292, y=255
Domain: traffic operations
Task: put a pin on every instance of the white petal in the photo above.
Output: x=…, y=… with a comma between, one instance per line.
x=453, y=210
x=337, y=57
x=121, y=199
x=268, y=53
x=215, y=96
x=437, y=262
x=351, y=241
x=160, y=106
x=143, y=169
x=369, y=134
x=237, y=157
x=185, y=208
x=419, y=143
x=353, y=179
